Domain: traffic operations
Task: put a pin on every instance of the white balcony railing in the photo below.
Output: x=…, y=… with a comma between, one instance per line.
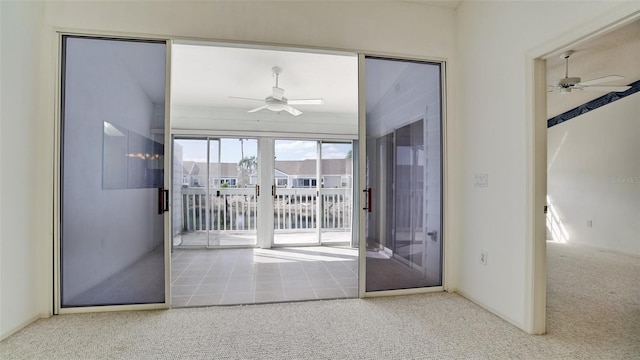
x=235, y=210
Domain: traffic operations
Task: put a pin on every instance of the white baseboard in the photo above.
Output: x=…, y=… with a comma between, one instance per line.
x=499, y=314
x=21, y=326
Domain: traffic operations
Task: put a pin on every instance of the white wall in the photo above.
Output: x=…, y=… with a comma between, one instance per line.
x=594, y=174
x=21, y=279
x=390, y=27
x=493, y=40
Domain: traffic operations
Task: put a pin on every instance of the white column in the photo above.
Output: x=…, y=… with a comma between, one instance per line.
x=265, y=200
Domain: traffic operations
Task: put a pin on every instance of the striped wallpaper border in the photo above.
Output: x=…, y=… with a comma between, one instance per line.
x=593, y=104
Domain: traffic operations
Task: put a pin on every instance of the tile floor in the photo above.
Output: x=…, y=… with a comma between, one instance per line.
x=243, y=276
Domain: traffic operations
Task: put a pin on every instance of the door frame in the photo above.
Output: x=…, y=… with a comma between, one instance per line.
x=57, y=192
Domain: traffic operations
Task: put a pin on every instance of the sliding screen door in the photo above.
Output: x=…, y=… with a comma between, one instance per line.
x=403, y=175
x=112, y=172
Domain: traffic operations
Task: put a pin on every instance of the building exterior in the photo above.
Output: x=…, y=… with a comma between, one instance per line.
x=336, y=173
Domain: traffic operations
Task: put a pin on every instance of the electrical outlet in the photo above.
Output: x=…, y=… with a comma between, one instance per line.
x=483, y=257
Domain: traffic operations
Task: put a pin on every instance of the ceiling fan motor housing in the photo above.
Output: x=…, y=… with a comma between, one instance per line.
x=275, y=104
x=569, y=82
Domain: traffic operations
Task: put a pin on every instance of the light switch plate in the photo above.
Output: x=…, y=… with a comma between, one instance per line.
x=481, y=180
x=483, y=257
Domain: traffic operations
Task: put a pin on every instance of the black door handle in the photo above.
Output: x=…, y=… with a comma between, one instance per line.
x=166, y=200
x=367, y=199
x=163, y=200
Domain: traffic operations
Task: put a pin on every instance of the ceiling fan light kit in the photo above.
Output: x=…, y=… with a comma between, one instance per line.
x=567, y=84
x=277, y=102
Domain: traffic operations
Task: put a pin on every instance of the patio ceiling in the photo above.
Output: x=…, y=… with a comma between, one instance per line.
x=208, y=75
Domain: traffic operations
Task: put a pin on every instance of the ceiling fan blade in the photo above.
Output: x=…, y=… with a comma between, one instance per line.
x=293, y=111
x=607, y=88
x=602, y=80
x=278, y=93
x=305, y=101
x=244, y=98
x=258, y=109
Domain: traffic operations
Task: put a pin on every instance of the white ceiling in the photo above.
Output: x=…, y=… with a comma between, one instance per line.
x=208, y=75
x=615, y=53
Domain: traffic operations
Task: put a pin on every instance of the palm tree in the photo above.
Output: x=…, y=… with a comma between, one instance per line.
x=247, y=165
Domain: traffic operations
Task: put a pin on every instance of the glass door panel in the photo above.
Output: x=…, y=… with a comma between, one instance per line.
x=403, y=175
x=190, y=207
x=214, y=182
x=112, y=172
x=217, y=192
x=295, y=192
x=236, y=202
x=336, y=192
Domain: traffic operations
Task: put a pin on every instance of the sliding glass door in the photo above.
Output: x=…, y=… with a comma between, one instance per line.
x=296, y=185
x=217, y=188
x=112, y=197
x=403, y=170
x=312, y=192
x=217, y=192
x=336, y=192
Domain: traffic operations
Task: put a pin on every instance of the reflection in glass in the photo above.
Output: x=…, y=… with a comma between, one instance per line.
x=130, y=160
x=403, y=175
x=114, y=157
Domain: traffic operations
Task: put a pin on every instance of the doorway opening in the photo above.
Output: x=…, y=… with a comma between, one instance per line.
x=241, y=237
x=262, y=174
x=591, y=219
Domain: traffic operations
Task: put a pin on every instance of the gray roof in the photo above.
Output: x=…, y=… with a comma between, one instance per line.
x=194, y=168
x=308, y=167
x=289, y=167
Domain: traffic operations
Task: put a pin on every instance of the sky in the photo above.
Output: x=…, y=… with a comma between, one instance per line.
x=196, y=150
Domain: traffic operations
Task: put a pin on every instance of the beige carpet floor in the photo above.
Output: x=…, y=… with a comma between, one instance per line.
x=593, y=313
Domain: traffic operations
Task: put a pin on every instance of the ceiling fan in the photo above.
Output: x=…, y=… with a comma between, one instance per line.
x=567, y=84
x=277, y=102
